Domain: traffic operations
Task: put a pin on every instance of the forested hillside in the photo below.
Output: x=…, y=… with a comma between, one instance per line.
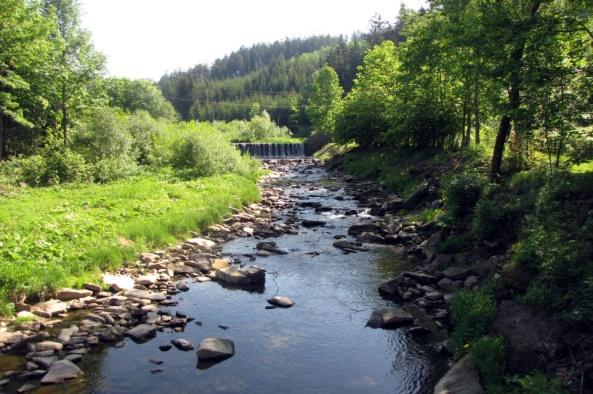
x=275, y=76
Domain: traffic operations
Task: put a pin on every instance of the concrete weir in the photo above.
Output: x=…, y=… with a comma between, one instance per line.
x=272, y=150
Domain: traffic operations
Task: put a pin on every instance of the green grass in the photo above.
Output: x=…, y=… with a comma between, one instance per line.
x=64, y=235
x=582, y=168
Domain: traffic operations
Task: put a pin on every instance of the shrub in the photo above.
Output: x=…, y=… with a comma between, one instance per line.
x=497, y=214
x=462, y=193
x=536, y=383
x=203, y=152
x=488, y=356
x=454, y=244
x=472, y=312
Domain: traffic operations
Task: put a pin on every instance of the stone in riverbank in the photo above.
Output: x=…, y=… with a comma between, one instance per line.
x=212, y=348
x=72, y=294
x=119, y=282
x=182, y=344
x=270, y=246
x=242, y=276
x=142, y=332
x=60, y=371
x=462, y=378
x=50, y=308
x=281, y=301
x=390, y=318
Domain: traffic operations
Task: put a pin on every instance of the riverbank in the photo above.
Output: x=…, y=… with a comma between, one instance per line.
x=524, y=244
x=65, y=235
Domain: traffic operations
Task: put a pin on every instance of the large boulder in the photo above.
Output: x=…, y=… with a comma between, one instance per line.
x=60, y=371
x=142, y=332
x=72, y=294
x=390, y=318
x=358, y=229
x=49, y=308
x=462, y=378
x=392, y=288
x=201, y=243
x=530, y=337
x=281, y=301
x=212, y=349
x=118, y=282
x=144, y=295
x=236, y=275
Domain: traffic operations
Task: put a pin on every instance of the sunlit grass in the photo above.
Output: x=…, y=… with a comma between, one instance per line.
x=61, y=236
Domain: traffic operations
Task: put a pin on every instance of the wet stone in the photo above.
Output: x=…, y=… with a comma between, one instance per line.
x=281, y=301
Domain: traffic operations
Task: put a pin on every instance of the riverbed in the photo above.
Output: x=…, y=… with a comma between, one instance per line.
x=320, y=345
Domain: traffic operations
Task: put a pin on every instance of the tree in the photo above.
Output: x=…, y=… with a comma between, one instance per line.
x=76, y=66
x=138, y=95
x=23, y=53
x=324, y=101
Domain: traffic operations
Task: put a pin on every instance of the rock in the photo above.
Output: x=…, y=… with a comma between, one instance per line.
x=455, y=273
x=470, y=281
x=270, y=246
x=358, y=229
x=182, y=344
x=165, y=348
x=96, y=289
x=181, y=286
x=49, y=308
x=66, y=334
x=447, y=285
x=348, y=246
x=462, y=378
x=389, y=318
x=212, y=348
x=283, y=302
x=147, y=280
x=142, y=332
x=242, y=276
x=183, y=269
x=44, y=362
x=60, y=371
x=26, y=387
x=119, y=282
x=10, y=338
x=45, y=345
x=202, y=243
x=202, y=264
x=111, y=334
x=144, y=295
x=416, y=197
x=371, y=238
x=530, y=338
x=312, y=223
x=422, y=277
x=67, y=294
x=391, y=287
x=75, y=358
x=220, y=263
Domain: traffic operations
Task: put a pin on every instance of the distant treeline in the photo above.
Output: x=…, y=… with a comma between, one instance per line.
x=276, y=76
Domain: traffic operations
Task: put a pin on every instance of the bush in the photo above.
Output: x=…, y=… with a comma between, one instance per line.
x=202, y=151
x=472, y=312
x=536, y=383
x=454, y=244
x=497, y=214
x=462, y=193
x=488, y=356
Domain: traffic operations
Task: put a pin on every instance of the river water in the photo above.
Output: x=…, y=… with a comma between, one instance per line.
x=320, y=345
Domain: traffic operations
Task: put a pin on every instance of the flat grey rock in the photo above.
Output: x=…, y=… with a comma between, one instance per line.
x=212, y=348
x=60, y=371
x=281, y=301
x=390, y=318
x=142, y=332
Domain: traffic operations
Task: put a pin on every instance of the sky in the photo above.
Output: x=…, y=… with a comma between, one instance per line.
x=148, y=38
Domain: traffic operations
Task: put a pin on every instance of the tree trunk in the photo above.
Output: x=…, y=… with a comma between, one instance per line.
x=64, y=117
x=477, y=112
x=469, y=124
x=464, y=141
x=516, y=62
x=1, y=136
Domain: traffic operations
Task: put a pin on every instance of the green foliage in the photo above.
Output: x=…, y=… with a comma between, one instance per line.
x=536, y=383
x=498, y=214
x=201, y=151
x=138, y=95
x=462, y=192
x=367, y=109
x=454, y=244
x=472, y=312
x=325, y=100
x=260, y=128
x=488, y=356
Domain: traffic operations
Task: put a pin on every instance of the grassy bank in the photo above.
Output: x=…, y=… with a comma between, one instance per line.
x=63, y=235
